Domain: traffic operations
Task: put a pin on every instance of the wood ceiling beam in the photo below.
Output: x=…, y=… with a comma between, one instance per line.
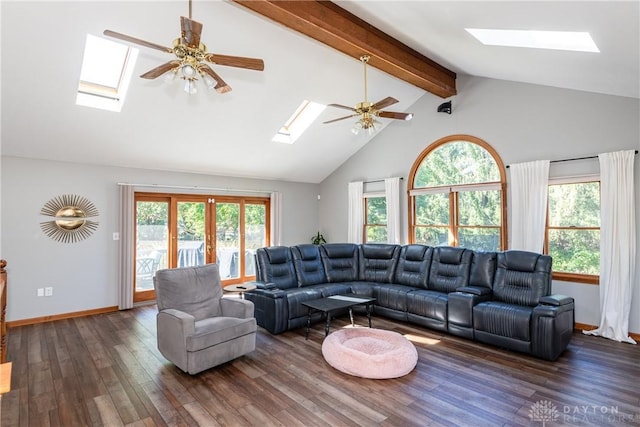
x=330, y=24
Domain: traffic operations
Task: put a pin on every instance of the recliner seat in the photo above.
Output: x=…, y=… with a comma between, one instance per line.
x=197, y=329
x=522, y=280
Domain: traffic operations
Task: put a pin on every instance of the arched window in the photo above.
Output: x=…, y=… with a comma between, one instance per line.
x=457, y=195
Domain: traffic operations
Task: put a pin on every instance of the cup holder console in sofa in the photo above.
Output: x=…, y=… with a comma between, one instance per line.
x=498, y=298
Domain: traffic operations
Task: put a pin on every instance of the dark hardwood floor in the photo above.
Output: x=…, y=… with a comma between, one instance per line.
x=105, y=370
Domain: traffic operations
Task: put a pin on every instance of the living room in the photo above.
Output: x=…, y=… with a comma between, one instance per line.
x=45, y=155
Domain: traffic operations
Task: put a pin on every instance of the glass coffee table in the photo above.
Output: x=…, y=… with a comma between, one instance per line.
x=335, y=303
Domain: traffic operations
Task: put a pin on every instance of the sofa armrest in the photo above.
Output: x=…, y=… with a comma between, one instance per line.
x=234, y=307
x=177, y=320
x=552, y=326
x=460, y=309
x=173, y=328
x=273, y=293
x=270, y=309
x=475, y=290
x=556, y=300
x=263, y=285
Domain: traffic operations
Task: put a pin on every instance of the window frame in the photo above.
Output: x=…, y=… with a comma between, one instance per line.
x=366, y=225
x=589, y=279
x=98, y=94
x=453, y=190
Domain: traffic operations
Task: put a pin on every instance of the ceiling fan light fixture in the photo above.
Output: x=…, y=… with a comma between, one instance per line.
x=366, y=124
x=357, y=128
x=192, y=58
x=368, y=111
x=170, y=77
x=190, y=86
x=188, y=71
x=211, y=84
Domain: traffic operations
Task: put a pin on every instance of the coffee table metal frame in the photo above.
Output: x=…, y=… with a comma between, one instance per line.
x=334, y=303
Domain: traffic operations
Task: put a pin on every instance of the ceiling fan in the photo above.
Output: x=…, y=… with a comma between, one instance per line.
x=191, y=58
x=369, y=111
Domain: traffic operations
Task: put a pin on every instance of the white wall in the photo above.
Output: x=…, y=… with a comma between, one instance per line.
x=522, y=122
x=84, y=274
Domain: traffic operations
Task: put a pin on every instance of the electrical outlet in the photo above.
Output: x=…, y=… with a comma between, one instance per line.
x=116, y=236
x=48, y=291
x=40, y=292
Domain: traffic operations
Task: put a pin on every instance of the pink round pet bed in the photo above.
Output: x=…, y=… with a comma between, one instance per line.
x=370, y=353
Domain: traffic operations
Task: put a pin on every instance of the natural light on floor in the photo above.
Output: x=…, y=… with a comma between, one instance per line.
x=106, y=72
x=421, y=340
x=558, y=40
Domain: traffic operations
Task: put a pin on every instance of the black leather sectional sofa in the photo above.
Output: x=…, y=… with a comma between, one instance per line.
x=499, y=298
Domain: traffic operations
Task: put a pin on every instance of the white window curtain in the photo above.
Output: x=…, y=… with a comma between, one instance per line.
x=529, y=190
x=617, y=245
x=392, y=193
x=125, y=252
x=276, y=218
x=355, y=212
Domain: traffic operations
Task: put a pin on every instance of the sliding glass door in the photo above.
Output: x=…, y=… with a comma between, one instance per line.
x=191, y=233
x=152, y=243
x=178, y=230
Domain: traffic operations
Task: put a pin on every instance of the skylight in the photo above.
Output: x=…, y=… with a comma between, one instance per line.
x=558, y=40
x=306, y=113
x=106, y=73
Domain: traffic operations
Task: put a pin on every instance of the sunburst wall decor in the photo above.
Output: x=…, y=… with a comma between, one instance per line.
x=70, y=221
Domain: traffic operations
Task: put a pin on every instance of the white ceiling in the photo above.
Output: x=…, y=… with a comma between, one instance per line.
x=161, y=127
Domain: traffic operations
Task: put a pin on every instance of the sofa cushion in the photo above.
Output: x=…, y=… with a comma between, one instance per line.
x=522, y=277
x=450, y=268
x=329, y=289
x=377, y=262
x=308, y=264
x=413, y=265
x=295, y=298
x=502, y=319
x=425, y=303
x=392, y=296
x=340, y=261
x=362, y=288
x=276, y=266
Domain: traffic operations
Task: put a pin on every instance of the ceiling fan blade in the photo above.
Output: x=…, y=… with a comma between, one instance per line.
x=160, y=70
x=191, y=31
x=137, y=41
x=221, y=86
x=393, y=115
x=384, y=103
x=342, y=106
x=236, y=61
x=341, y=118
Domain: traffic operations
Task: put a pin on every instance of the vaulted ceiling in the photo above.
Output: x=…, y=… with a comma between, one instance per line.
x=161, y=127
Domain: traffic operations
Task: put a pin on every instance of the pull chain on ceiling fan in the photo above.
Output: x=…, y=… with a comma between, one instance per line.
x=368, y=111
x=192, y=58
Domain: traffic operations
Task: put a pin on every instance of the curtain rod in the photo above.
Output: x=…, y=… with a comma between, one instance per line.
x=196, y=187
x=377, y=180
x=575, y=158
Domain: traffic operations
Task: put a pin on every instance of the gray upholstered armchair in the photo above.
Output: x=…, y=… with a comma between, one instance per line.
x=197, y=328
